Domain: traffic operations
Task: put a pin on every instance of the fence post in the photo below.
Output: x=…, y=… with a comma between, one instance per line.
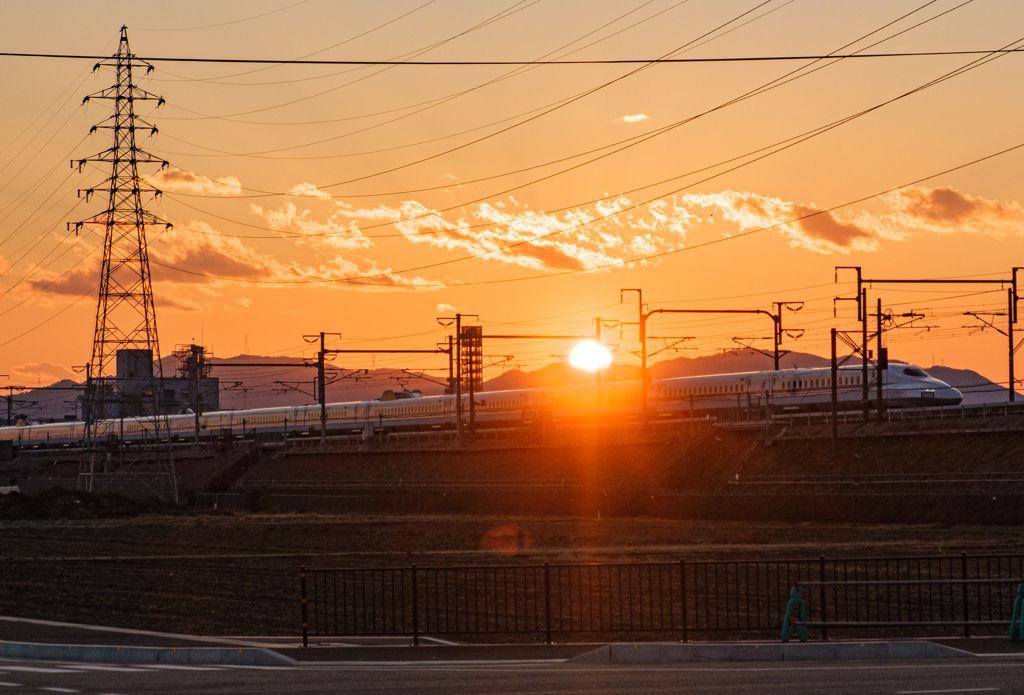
x=302, y=593
x=963, y=591
x=824, y=602
x=682, y=584
x=547, y=603
x=415, y=611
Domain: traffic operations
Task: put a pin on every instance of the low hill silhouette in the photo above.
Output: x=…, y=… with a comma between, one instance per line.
x=289, y=382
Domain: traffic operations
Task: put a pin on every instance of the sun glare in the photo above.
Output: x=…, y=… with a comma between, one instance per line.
x=590, y=356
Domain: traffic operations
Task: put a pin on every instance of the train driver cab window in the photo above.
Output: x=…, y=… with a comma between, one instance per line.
x=914, y=371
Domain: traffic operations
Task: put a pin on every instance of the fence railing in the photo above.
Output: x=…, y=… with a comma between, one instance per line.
x=678, y=599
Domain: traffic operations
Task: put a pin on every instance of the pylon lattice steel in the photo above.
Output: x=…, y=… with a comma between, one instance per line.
x=125, y=311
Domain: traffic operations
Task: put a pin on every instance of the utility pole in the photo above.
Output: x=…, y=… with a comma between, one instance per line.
x=865, y=393
x=10, y=398
x=1009, y=333
x=451, y=367
x=1013, y=347
x=642, y=328
x=458, y=375
x=881, y=364
x=87, y=464
x=644, y=378
x=835, y=400
x=321, y=380
x=460, y=342
x=779, y=306
x=861, y=300
x=195, y=394
x=597, y=372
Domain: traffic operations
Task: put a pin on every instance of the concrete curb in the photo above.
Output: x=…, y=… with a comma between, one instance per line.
x=638, y=653
x=205, y=656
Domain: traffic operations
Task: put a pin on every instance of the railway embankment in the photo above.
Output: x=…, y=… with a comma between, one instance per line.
x=904, y=469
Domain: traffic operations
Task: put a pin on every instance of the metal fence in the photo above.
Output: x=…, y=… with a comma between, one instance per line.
x=678, y=599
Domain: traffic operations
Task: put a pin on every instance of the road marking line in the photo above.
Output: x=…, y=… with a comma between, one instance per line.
x=174, y=667
x=10, y=685
x=37, y=669
x=954, y=690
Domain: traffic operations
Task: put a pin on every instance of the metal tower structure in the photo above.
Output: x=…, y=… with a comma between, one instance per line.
x=125, y=382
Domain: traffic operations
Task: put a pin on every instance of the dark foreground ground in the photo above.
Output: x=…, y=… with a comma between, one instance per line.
x=238, y=574
x=937, y=676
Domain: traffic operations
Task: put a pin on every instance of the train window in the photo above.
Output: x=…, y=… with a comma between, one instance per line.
x=914, y=371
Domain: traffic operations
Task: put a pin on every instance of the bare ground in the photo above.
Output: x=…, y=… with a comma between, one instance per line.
x=221, y=574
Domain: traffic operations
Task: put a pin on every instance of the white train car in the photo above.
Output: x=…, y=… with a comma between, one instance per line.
x=795, y=390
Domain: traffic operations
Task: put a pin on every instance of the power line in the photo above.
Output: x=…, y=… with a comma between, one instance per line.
x=234, y=21
x=363, y=280
x=484, y=63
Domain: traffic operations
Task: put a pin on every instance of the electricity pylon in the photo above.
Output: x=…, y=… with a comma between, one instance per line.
x=125, y=332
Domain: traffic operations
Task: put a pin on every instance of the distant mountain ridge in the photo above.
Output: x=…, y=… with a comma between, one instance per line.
x=289, y=382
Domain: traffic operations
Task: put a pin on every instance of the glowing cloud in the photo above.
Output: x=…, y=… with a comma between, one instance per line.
x=633, y=119
x=178, y=181
x=309, y=189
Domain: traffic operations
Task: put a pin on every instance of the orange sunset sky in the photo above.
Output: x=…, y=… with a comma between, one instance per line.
x=367, y=200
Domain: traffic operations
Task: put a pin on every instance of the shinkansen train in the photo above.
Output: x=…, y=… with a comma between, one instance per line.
x=789, y=391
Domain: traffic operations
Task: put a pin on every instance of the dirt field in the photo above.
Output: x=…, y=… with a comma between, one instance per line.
x=219, y=574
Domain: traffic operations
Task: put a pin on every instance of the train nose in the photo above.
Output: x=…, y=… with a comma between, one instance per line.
x=947, y=396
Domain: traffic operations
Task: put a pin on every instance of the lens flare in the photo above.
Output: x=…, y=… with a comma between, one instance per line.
x=590, y=356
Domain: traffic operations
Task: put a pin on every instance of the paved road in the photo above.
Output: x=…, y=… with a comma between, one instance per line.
x=904, y=678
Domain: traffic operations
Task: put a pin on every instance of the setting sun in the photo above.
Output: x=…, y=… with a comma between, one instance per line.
x=590, y=356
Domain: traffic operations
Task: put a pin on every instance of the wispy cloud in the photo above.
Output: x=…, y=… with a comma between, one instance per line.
x=608, y=233
x=336, y=232
x=309, y=190
x=217, y=260
x=179, y=181
x=811, y=229
x=948, y=211
x=511, y=233
x=636, y=118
